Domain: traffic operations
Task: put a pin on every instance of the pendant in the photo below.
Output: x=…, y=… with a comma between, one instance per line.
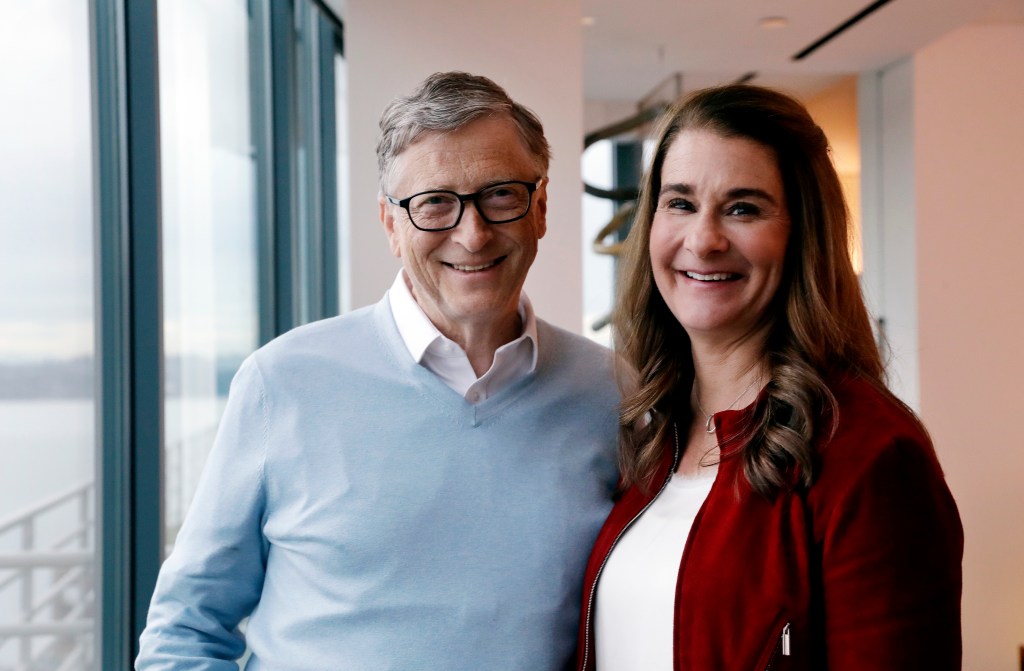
x=709, y=427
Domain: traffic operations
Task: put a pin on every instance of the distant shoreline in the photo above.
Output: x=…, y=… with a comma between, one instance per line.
x=76, y=378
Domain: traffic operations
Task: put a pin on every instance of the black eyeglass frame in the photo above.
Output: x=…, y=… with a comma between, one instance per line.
x=463, y=197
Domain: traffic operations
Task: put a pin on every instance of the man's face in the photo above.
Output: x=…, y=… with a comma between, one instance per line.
x=469, y=276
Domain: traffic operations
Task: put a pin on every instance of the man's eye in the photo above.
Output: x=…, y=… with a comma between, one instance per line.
x=504, y=193
x=435, y=200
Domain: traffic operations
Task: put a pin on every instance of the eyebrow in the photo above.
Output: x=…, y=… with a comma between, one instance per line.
x=482, y=187
x=741, y=192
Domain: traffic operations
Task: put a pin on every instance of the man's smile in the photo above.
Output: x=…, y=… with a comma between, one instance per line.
x=467, y=268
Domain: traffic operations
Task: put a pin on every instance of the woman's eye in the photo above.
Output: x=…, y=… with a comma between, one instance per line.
x=743, y=210
x=679, y=204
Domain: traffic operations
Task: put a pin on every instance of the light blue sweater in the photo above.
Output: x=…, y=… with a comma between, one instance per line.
x=367, y=517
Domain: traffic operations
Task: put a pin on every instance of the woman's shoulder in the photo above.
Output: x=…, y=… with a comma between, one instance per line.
x=870, y=415
x=872, y=434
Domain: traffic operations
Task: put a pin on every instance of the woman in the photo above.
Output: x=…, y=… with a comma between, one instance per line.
x=781, y=509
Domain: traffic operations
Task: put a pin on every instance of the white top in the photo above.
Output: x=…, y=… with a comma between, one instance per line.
x=445, y=358
x=635, y=608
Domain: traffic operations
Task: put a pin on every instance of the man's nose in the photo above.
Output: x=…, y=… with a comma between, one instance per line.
x=473, y=232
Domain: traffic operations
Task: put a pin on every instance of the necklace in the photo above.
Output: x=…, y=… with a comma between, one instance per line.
x=709, y=425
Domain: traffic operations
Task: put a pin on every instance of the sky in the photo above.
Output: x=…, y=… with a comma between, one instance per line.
x=45, y=180
x=47, y=218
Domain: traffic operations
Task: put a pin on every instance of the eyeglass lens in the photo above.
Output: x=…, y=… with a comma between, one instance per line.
x=497, y=204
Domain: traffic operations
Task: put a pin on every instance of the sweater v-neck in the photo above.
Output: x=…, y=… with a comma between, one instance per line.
x=454, y=405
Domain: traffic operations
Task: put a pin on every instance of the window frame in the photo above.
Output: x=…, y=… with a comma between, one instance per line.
x=127, y=234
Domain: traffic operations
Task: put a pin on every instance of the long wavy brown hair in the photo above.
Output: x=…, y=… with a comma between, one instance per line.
x=818, y=325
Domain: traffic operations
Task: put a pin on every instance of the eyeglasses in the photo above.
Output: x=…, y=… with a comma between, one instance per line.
x=500, y=203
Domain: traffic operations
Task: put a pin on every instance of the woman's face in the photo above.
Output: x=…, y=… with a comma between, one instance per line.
x=719, y=234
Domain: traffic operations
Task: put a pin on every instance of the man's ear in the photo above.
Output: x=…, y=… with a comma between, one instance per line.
x=388, y=219
x=540, y=201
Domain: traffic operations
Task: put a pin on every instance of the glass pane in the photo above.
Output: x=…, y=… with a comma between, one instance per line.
x=48, y=575
x=209, y=228
x=341, y=145
x=597, y=165
x=309, y=243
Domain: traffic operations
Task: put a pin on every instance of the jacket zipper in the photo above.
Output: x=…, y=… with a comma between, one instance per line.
x=782, y=646
x=597, y=576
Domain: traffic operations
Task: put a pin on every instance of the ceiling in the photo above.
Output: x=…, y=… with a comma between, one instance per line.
x=633, y=47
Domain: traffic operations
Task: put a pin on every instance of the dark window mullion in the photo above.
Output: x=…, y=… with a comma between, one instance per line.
x=283, y=118
x=329, y=47
x=130, y=425
x=113, y=338
x=146, y=302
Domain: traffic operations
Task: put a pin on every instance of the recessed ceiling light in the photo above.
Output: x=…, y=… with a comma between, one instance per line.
x=588, y=20
x=773, y=22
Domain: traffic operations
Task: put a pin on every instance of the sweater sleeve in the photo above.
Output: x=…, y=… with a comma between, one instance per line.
x=891, y=566
x=214, y=576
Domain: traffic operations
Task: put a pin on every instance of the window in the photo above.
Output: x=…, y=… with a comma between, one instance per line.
x=165, y=204
x=210, y=255
x=47, y=354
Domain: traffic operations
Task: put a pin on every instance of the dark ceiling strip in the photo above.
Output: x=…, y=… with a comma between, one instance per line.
x=746, y=78
x=840, y=28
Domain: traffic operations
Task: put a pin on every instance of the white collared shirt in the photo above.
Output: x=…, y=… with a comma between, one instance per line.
x=445, y=358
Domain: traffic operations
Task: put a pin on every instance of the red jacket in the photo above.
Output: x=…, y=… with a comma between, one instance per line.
x=861, y=571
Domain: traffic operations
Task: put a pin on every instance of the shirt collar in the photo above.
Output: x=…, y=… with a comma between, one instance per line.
x=418, y=332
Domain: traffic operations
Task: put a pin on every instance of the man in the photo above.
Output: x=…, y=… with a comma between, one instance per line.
x=417, y=484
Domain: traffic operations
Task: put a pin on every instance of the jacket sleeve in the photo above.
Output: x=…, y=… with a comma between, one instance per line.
x=891, y=565
x=214, y=576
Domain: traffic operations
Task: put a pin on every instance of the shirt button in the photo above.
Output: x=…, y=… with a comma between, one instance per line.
x=474, y=397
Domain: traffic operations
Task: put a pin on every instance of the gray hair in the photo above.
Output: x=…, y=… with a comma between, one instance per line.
x=447, y=101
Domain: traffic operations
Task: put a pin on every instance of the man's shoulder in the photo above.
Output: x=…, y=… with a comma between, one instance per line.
x=569, y=343
x=333, y=336
x=567, y=353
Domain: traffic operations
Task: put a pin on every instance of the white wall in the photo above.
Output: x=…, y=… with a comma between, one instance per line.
x=942, y=147
x=969, y=166
x=534, y=49
x=885, y=115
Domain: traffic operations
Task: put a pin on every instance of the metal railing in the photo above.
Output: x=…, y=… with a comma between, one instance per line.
x=49, y=579
x=48, y=569
x=180, y=477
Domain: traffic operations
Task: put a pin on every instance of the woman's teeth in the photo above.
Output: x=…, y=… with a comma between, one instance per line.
x=713, y=277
